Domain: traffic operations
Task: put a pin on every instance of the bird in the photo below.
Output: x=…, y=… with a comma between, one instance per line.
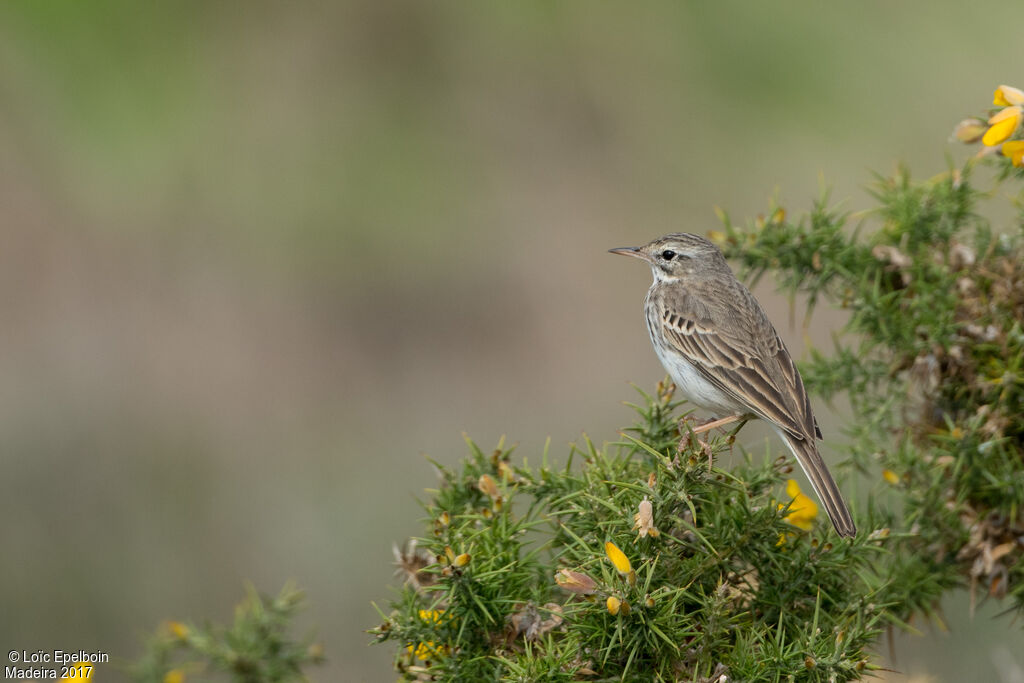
x=724, y=355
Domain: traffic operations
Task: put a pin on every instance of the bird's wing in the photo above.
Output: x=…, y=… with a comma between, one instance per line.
x=795, y=385
x=745, y=359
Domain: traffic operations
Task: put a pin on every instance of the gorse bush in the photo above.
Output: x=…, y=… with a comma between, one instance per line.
x=932, y=367
x=643, y=560
x=256, y=648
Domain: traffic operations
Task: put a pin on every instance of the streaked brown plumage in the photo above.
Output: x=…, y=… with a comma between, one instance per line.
x=725, y=356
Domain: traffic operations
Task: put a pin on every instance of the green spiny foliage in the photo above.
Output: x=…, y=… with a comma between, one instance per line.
x=256, y=648
x=644, y=561
x=931, y=361
x=514, y=581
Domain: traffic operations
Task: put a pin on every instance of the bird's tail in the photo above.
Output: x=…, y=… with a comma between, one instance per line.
x=806, y=453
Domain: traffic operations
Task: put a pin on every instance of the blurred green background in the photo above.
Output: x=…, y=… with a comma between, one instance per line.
x=258, y=257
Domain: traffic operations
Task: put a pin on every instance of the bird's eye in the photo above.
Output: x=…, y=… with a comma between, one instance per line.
x=668, y=254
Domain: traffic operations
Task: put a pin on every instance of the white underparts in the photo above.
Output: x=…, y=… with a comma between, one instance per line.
x=692, y=386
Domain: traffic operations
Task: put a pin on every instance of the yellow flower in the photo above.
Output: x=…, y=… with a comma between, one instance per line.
x=802, y=511
x=891, y=477
x=613, y=604
x=428, y=650
x=174, y=676
x=178, y=629
x=618, y=558
x=1015, y=150
x=1006, y=96
x=1002, y=125
x=80, y=671
x=433, y=615
x=717, y=236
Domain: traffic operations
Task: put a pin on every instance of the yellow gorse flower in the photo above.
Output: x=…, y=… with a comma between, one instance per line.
x=618, y=558
x=433, y=615
x=1002, y=125
x=717, y=236
x=1006, y=96
x=620, y=561
x=802, y=511
x=178, y=629
x=428, y=650
x=1014, y=149
x=613, y=604
x=1002, y=129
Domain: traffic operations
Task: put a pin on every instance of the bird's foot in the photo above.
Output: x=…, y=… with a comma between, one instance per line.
x=689, y=441
x=690, y=437
x=695, y=446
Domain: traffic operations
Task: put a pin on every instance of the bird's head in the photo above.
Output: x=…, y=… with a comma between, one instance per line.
x=677, y=256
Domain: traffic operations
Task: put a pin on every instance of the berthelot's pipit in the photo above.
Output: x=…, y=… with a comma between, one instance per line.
x=725, y=356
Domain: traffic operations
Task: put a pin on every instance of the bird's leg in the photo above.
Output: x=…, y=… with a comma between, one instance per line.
x=708, y=426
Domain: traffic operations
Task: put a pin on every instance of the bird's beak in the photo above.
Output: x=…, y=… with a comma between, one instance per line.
x=630, y=251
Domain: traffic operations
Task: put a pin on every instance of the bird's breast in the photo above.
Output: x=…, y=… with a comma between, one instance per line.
x=693, y=386
x=690, y=383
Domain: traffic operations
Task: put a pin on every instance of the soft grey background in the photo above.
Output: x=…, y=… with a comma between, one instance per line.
x=257, y=257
